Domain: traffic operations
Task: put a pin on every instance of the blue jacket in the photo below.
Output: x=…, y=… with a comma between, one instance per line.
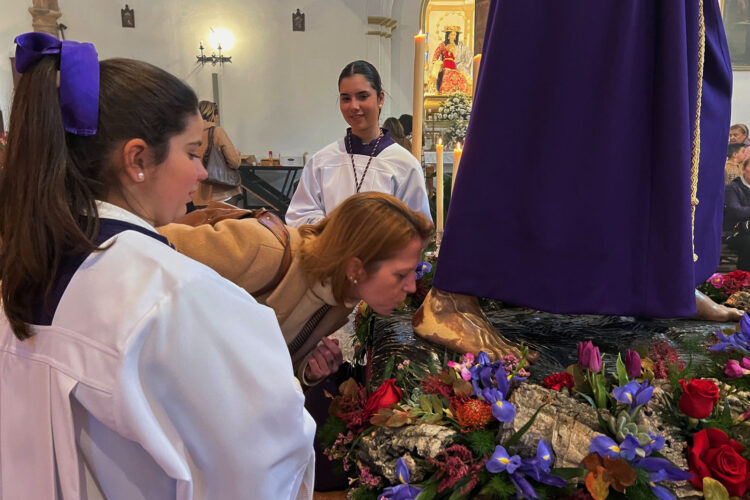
x=736, y=203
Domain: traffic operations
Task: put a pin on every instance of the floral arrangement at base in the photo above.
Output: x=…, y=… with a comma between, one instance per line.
x=720, y=287
x=473, y=399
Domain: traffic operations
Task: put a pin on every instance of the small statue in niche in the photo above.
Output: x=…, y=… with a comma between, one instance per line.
x=298, y=21
x=128, y=17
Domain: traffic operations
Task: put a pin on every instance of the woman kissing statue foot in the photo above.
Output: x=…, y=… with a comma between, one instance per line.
x=457, y=322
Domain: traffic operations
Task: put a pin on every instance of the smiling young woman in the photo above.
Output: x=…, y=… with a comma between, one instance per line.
x=365, y=159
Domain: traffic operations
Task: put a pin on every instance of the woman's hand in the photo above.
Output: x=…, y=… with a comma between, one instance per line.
x=324, y=360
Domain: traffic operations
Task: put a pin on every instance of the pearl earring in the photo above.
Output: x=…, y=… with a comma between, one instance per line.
x=141, y=177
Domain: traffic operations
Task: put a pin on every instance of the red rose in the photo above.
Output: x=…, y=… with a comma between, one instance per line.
x=557, y=381
x=386, y=395
x=716, y=456
x=698, y=397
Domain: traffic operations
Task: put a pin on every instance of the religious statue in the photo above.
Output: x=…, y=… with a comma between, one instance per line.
x=629, y=236
x=451, y=63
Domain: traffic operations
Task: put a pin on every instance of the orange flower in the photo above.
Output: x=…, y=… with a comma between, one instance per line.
x=473, y=414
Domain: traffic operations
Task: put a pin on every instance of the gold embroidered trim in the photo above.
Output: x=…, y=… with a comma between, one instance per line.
x=696, y=148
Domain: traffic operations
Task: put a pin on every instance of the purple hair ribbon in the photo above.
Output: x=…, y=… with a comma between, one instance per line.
x=79, y=77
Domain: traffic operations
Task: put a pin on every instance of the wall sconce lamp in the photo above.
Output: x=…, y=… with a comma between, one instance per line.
x=218, y=38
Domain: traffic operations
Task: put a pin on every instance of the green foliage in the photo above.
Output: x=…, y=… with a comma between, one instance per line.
x=429, y=490
x=363, y=334
x=481, y=442
x=622, y=373
x=364, y=494
x=498, y=487
x=388, y=368
x=712, y=292
x=330, y=430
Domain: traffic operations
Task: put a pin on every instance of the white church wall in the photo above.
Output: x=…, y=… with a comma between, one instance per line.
x=15, y=19
x=280, y=91
x=741, y=97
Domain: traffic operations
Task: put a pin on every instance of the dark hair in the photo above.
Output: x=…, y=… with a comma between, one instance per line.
x=365, y=69
x=406, y=123
x=394, y=126
x=52, y=178
x=734, y=148
x=458, y=34
x=208, y=110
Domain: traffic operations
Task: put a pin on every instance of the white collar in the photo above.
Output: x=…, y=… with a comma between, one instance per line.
x=110, y=211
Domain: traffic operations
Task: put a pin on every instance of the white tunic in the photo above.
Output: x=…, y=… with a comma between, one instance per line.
x=328, y=179
x=157, y=379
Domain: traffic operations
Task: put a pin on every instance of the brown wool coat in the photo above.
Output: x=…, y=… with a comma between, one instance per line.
x=248, y=254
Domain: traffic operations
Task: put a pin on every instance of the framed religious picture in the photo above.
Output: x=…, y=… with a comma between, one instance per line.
x=128, y=17
x=298, y=21
x=736, y=15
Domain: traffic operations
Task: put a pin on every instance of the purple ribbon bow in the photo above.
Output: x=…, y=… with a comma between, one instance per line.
x=79, y=77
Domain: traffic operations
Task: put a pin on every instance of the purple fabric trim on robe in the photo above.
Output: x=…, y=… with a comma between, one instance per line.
x=574, y=189
x=359, y=148
x=44, y=312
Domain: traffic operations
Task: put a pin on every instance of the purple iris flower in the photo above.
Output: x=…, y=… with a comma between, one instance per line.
x=656, y=443
x=658, y=490
x=403, y=491
x=738, y=340
x=422, y=268
x=661, y=469
x=633, y=364
x=605, y=445
x=589, y=356
x=502, y=410
x=500, y=461
x=634, y=394
x=502, y=380
x=524, y=488
x=539, y=467
x=630, y=448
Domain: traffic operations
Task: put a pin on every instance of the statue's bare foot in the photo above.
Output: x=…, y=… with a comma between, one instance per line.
x=457, y=322
x=711, y=311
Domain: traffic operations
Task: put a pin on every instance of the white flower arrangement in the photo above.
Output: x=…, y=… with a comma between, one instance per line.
x=456, y=133
x=456, y=107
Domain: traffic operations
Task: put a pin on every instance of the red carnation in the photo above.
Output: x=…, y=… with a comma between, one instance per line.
x=557, y=381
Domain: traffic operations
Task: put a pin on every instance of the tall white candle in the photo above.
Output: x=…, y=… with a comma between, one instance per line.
x=457, y=152
x=418, y=104
x=439, y=191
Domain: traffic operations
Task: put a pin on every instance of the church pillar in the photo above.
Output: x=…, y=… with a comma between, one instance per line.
x=380, y=26
x=44, y=16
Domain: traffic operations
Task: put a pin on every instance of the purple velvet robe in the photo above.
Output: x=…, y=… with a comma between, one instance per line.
x=573, y=194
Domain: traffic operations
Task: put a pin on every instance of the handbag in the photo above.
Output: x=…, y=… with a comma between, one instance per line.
x=219, y=173
x=217, y=211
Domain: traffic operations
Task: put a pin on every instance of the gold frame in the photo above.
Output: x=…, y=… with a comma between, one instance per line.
x=735, y=67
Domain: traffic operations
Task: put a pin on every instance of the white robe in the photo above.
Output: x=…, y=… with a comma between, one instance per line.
x=157, y=379
x=328, y=179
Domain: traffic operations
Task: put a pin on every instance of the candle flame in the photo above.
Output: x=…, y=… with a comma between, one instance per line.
x=440, y=141
x=458, y=145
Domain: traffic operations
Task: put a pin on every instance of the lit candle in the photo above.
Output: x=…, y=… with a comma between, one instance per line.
x=457, y=151
x=475, y=73
x=418, y=105
x=439, y=194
